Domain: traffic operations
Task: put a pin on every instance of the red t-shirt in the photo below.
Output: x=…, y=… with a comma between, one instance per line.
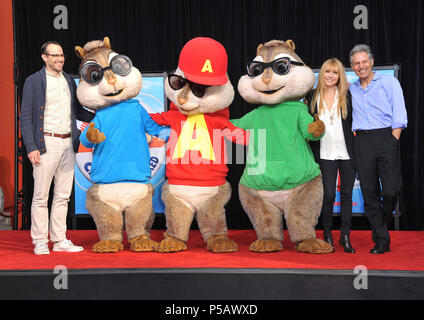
x=196, y=153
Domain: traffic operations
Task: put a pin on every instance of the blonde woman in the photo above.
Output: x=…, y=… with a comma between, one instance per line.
x=332, y=102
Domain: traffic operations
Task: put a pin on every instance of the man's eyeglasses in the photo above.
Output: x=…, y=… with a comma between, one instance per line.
x=280, y=66
x=177, y=82
x=55, y=55
x=92, y=72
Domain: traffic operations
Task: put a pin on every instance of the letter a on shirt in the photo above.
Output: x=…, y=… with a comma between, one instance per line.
x=194, y=136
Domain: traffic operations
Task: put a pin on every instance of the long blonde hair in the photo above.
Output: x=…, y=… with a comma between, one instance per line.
x=342, y=86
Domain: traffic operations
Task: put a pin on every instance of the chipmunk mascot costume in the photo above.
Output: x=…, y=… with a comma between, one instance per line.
x=120, y=169
x=200, y=93
x=281, y=176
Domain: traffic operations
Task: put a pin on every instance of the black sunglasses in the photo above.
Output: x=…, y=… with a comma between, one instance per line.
x=92, y=72
x=280, y=66
x=177, y=82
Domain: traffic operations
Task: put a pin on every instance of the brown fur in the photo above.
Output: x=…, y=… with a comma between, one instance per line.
x=94, y=135
x=109, y=222
x=95, y=50
x=265, y=217
x=171, y=244
x=314, y=246
x=317, y=127
x=301, y=205
x=142, y=244
x=178, y=216
x=221, y=244
x=212, y=222
x=301, y=211
x=140, y=216
x=271, y=48
x=108, y=246
x=210, y=218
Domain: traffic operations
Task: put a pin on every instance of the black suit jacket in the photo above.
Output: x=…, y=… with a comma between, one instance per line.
x=346, y=124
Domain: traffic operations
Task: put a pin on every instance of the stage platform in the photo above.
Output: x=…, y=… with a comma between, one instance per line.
x=197, y=274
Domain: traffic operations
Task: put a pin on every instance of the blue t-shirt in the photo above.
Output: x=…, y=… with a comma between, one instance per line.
x=124, y=156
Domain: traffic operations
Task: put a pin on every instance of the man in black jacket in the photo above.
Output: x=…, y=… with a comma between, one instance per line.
x=48, y=124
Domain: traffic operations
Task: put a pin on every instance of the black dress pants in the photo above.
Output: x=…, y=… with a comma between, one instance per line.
x=329, y=169
x=378, y=162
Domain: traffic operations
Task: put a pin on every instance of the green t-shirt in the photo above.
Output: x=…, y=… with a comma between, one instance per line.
x=279, y=156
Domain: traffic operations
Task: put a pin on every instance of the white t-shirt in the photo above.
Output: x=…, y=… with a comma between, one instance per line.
x=57, y=115
x=332, y=144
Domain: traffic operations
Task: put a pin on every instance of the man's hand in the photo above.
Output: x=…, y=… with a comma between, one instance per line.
x=317, y=127
x=94, y=135
x=34, y=157
x=396, y=133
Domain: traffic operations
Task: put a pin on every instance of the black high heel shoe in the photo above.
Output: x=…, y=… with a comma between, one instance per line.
x=329, y=239
x=345, y=243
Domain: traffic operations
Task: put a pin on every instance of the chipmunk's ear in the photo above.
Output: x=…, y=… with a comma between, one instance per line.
x=106, y=42
x=290, y=44
x=258, y=49
x=80, y=52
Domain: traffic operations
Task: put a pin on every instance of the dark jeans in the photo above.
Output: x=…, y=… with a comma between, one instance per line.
x=329, y=169
x=378, y=160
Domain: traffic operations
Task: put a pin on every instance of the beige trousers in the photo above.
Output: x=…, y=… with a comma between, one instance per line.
x=58, y=163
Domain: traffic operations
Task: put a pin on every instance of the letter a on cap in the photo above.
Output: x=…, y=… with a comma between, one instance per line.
x=207, y=66
x=204, y=61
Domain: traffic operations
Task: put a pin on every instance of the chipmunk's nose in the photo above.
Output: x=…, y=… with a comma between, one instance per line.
x=182, y=97
x=110, y=77
x=267, y=76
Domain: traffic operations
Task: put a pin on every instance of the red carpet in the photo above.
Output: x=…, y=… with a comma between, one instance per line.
x=16, y=253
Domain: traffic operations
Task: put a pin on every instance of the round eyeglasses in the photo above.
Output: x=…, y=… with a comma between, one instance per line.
x=92, y=72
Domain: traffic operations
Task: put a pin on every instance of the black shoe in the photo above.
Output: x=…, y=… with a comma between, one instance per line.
x=329, y=239
x=380, y=248
x=345, y=243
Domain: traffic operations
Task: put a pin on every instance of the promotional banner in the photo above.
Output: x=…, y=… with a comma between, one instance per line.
x=152, y=98
x=357, y=199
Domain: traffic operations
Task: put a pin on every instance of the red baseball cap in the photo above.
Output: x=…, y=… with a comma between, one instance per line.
x=204, y=61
